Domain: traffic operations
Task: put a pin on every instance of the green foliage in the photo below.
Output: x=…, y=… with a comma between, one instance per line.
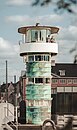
x=60, y=4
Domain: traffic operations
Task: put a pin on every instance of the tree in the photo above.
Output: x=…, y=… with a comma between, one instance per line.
x=60, y=4
x=74, y=50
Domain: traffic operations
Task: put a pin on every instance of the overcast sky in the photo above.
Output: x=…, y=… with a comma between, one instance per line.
x=17, y=13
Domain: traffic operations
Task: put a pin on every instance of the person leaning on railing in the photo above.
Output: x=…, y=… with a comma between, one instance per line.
x=50, y=38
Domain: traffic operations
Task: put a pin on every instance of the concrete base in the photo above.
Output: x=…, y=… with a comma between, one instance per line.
x=28, y=127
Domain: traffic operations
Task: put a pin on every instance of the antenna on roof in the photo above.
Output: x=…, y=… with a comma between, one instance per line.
x=37, y=24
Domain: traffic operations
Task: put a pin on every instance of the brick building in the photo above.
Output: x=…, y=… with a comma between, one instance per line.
x=64, y=89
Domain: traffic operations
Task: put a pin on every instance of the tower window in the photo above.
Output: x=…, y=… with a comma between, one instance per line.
x=46, y=58
x=41, y=58
x=40, y=35
x=36, y=35
x=38, y=80
x=38, y=58
x=47, y=80
x=31, y=80
x=31, y=58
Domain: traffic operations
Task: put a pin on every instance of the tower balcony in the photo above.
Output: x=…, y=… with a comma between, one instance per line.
x=35, y=47
x=38, y=39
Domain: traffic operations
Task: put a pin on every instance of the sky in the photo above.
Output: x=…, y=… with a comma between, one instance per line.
x=17, y=13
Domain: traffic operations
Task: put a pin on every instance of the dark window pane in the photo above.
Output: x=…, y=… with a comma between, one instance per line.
x=47, y=80
x=38, y=80
x=31, y=58
x=38, y=58
x=46, y=58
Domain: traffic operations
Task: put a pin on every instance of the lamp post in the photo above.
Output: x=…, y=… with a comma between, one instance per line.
x=6, y=83
x=7, y=89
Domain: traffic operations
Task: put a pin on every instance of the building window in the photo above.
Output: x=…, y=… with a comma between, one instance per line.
x=62, y=81
x=47, y=80
x=62, y=72
x=28, y=36
x=30, y=80
x=69, y=81
x=53, y=90
x=75, y=81
x=42, y=58
x=46, y=58
x=30, y=58
x=38, y=58
x=38, y=80
x=34, y=35
x=54, y=80
x=43, y=35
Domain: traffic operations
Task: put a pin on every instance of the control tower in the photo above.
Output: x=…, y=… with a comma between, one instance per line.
x=37, y=47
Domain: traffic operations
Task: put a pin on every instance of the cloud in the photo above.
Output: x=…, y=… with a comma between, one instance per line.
x=7, y=48
x=68, y=33
x=43, y=19
x=18, y=2
x=64, y=54
x=73, y=30
x=74, y=20
x=52, y=19
x=18, y=18
x=4, y=44
x=10, y=52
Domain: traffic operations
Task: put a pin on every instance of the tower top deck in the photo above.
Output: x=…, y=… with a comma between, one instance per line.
x=23, y=30
x=38, y=39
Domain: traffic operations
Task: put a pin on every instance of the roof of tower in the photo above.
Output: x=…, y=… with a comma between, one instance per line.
x=23, y=30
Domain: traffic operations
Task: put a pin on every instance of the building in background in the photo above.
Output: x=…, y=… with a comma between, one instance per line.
x=14, y=93
x=64, y=91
